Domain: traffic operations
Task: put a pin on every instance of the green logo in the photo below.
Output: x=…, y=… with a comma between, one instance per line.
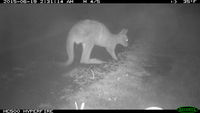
x=187, y=109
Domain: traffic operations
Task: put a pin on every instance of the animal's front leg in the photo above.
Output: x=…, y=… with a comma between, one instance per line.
x=112, y=53
x=85, y=58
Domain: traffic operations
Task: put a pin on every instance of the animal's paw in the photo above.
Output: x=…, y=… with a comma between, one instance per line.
x=116, y=58
x=96, y=61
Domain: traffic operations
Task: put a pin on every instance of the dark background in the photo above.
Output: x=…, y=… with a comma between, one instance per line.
x=166, y=28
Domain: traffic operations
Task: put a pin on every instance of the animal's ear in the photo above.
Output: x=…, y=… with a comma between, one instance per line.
x=124, y=31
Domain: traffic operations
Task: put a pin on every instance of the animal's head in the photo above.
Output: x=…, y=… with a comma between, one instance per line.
x=122, y=37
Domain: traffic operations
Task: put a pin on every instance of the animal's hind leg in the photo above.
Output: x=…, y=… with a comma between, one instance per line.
x=85, y=58
x=96, y=61
x=93, y=60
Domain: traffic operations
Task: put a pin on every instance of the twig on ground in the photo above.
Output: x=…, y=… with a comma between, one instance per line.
x=92, y=73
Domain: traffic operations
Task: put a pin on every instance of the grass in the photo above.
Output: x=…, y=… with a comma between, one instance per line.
x=109, y=85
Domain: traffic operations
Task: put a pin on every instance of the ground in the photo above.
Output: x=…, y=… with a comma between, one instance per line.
x=135, y=81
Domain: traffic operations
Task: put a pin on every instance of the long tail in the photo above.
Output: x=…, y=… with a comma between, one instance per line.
x=70, y=52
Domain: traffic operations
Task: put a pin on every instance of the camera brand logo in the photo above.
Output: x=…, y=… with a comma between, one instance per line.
x=187, y=109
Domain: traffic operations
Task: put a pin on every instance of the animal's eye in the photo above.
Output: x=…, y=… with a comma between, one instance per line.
x=127, y=39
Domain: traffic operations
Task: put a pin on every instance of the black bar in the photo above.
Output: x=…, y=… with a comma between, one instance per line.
x=92, y=111
x=135, y=1
x=95, y=1
x=126, y=1
x=143, y=1
x=122, y=111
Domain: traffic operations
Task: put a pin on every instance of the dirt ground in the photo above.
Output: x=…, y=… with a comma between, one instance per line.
x=138, y=82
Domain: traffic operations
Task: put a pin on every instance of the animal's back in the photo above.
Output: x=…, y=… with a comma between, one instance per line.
x=86, y=30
